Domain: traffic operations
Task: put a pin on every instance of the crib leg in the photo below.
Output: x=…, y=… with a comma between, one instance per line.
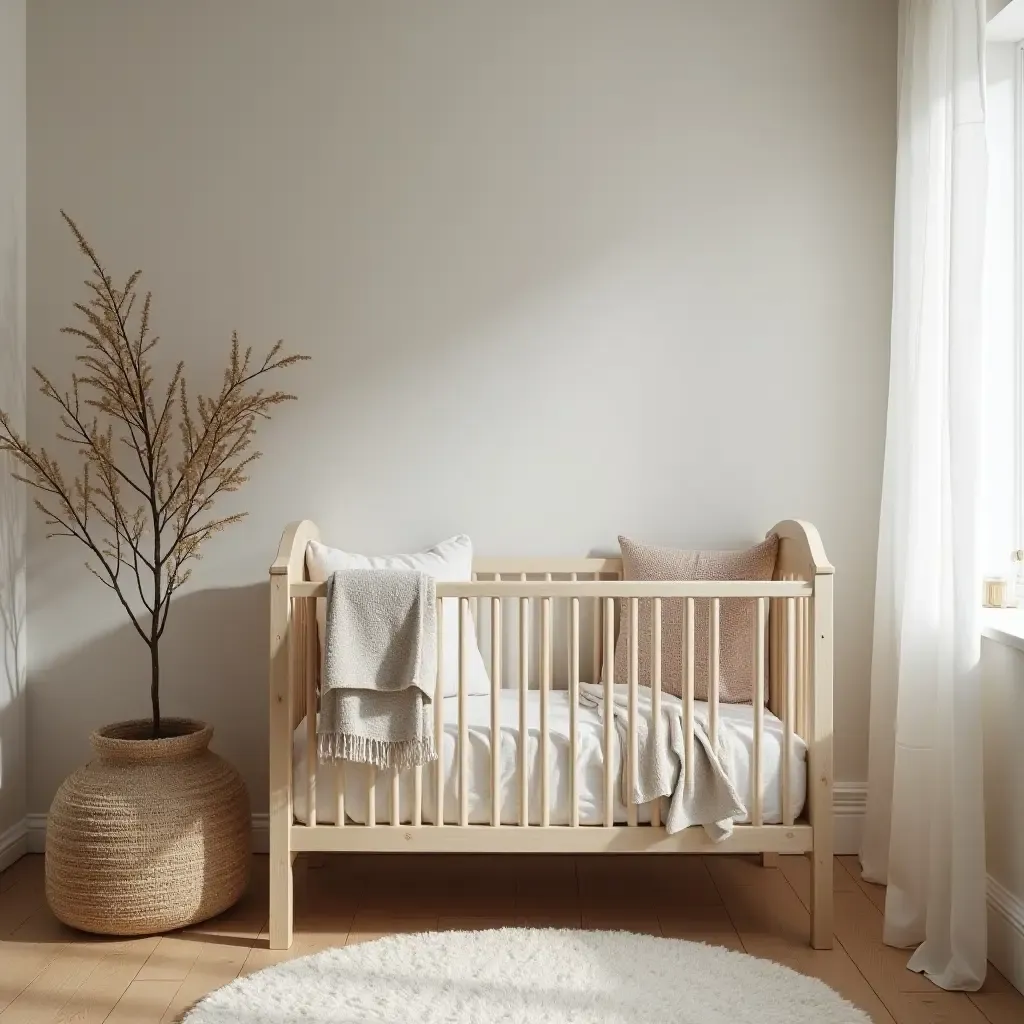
x=819, y=767
x=769, y=860
x=281, y=725
x=821, y=896
x=281, y=899
x=281, y=908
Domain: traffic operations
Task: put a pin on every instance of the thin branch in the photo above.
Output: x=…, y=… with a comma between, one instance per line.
x=211, y=423
x=84, y=537
x=84, y=435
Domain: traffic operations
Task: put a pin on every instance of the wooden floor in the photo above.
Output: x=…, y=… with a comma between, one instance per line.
x=51, y=973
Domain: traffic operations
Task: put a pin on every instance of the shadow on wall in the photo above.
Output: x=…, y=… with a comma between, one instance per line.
x=12, y=556
x=215, y=643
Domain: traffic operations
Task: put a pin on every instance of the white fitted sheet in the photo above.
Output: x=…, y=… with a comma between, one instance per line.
x=739, y=719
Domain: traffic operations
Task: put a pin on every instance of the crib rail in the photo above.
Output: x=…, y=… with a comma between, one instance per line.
x=526, y=588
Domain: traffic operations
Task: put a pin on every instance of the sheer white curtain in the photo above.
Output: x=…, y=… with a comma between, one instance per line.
x=924, y=832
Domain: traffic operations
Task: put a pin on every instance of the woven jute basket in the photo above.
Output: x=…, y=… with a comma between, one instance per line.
x=151, y=835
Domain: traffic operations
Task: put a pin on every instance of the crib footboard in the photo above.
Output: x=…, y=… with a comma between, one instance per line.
x=547, y=624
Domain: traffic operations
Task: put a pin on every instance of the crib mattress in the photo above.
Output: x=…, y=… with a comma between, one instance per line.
x=740, y=719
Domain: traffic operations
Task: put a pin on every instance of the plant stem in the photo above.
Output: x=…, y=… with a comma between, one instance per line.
x=154, y=641
x=155, y=688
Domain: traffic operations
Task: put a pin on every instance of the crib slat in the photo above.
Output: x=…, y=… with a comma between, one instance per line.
x=595, y=674
x=439, y=720
x=574, y=700
x=545, y=688
x=808, y=664
x=656, y=693
x=573, y=578
x=688, y=694
x=803, y=660
x=609, y=694
x=789, y=708
x=477, y=605
x=774, y=661
x=524, y=722
x=417, y=795
x=797, y=658
x=757, y=781
x=714, y=620
x=339, y=794
x=757, y=793
x=396, y=810
x=496, y=647
x=536, y=614
x=633, y=745
x=463, y=723
x=371, y=797
x=307, y=621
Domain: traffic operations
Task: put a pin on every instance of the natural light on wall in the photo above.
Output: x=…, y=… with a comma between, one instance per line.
x=12, y=395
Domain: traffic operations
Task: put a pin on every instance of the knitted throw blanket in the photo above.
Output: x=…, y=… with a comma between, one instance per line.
x=380, y=668
x=701, y=793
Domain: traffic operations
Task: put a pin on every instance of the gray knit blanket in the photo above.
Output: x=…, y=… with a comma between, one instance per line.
x=380, y=668
x=701, y=793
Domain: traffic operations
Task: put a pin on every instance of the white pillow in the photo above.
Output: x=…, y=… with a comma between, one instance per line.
x=451, y=561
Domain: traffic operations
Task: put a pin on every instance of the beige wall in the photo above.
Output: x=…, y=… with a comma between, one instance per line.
x=12, y=400
x=565, y=268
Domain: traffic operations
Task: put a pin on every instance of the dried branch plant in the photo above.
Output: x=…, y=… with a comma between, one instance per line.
x=153, y=460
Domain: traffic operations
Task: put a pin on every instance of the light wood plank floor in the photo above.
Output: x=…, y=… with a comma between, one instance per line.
x=50, y=973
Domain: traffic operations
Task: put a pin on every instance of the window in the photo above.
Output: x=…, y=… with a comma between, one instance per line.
x=1014, y=214
x=1002, y=470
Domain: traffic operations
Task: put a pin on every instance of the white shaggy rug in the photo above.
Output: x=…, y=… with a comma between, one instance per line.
x=526, y=976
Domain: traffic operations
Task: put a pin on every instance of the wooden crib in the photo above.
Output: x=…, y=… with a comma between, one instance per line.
x=793, y=669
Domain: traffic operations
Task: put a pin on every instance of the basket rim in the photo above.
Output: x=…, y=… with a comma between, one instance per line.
x=131, y=738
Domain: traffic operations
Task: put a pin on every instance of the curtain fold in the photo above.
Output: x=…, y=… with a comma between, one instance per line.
x=924, y=830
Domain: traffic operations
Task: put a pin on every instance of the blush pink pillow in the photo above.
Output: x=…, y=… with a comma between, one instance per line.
x=737, y=617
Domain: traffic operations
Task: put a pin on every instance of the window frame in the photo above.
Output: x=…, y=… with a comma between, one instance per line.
x=1018, y=288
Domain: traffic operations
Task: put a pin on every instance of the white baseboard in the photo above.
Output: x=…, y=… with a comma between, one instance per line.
x=261, y=833
x=850, y=799
x=1006, y=932
x=13, y=844
x=35, y=827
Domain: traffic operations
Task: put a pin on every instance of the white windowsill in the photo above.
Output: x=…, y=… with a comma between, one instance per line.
x=1004, y=626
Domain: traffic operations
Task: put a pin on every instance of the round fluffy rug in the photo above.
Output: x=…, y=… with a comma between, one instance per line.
x=526, y=976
